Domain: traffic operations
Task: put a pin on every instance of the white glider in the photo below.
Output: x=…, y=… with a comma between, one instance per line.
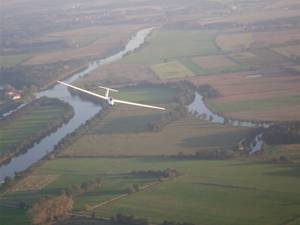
x=110, y=99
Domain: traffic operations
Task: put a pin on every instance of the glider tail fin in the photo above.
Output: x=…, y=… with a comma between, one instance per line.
x=108, y=90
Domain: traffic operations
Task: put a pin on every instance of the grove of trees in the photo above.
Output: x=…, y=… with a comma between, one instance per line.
x=50, y=209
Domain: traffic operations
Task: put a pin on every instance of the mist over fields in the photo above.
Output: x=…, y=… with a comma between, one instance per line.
x=224, y=152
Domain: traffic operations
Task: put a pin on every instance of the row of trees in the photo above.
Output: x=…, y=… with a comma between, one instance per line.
x=72, y=137
x=167, y=173
x=206, y=154
x=184, y=95
x=283, y=133
x=13, y=149
x=175, y=223
x=50, y=209
x=84, y=187
x=207, y=91
x=133, y=189
x=133, y=220
x=173, y=115
x=128, y=220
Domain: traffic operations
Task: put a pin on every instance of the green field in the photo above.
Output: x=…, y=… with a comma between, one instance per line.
x=296, y=68
x=259, y=57
x=12, y=216
x=147, y=94
x=86, y=40
x=207, y=192
x=171, y=44
x=255, y=104
x=26, y=125
x=188, y=136
x=12, y=60
x=126, y=130
x=203, y=71
x=171, y=70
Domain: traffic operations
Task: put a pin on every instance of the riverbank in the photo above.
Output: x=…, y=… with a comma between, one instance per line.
x=83, y=110
x=24, y=128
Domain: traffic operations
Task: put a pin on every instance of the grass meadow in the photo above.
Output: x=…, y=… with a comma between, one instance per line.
x=203, y=70
x=207, y=191
x=171, y=44
x=288, y=51
x=121, y=134
x=255, y=104
x=171, y=70
x=147, y=94
x=12, y=60
x=19, y=130
x=230, y=42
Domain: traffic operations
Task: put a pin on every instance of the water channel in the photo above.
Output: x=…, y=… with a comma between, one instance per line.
x=83, y=110
x=199, y=108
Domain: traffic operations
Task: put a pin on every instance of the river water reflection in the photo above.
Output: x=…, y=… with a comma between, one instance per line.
x=200, y=109
x=83, y=110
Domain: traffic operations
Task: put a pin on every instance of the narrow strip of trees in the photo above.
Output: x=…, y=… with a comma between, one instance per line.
x=84, y=187
x=167, y=173
x=283, y=133
x=128, y=220
x=11, y=150
x=124, y=219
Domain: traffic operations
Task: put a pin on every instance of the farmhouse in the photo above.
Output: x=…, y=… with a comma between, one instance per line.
x=13, y=95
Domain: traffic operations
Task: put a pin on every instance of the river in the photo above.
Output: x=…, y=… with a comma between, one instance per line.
x=200, y=109
x=83, y=110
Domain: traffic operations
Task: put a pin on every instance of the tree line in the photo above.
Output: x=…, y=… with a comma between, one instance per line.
x=206, y=154
x=11, y=150
x=283, y=133
x=124, y=219
x=39, y=75
x=84, y=187
x=167, y=173
x=184, y=95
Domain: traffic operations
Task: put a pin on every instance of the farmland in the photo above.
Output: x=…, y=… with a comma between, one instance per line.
x=272, y=38
x=119, y=74
x=129, y=128
x=86, y=42
x=246, y=53
x=210, y=62
x=171, y=70
x=231, y=42
x=256, y=104
x=12, y=60
x=172, y=44
x=289, y=51
x=203, y=189
x=12, y=216
x=148, y=94
x=256, y=96
x=31, y=122
x=259, y=57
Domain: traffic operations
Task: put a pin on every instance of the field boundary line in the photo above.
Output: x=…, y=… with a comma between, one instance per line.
x=143, y=188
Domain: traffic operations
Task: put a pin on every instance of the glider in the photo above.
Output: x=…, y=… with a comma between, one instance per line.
x=110, y=99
